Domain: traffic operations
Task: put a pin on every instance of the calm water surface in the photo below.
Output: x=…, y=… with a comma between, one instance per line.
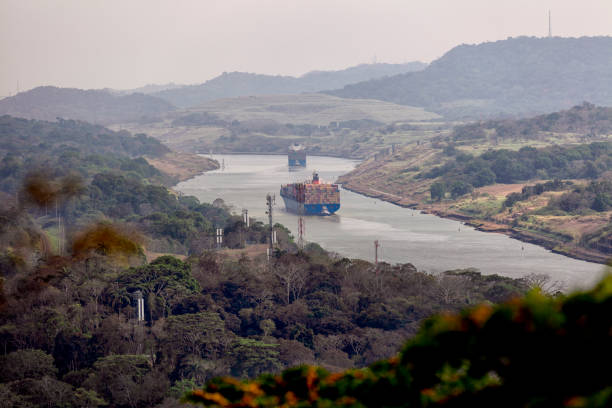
x=430, y=243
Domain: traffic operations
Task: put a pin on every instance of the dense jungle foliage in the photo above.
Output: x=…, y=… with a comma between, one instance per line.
x=464, y=172
x=73, y=232
x=69, y=336
x=531, y=352
x=74, y=173
x=71, y=147
x=72, y=241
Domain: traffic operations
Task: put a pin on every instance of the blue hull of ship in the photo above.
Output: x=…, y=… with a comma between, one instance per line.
x=310, y=209
x=297, y=163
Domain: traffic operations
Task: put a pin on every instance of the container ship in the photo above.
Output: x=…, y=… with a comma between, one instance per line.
x=297, y=155
x=311, y=197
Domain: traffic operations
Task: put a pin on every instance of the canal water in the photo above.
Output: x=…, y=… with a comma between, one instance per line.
x=431, y=243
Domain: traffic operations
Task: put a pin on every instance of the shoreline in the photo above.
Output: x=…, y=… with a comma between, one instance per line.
x=581, y=254
x=336, y=156
x=183, y=166
x=531, y=237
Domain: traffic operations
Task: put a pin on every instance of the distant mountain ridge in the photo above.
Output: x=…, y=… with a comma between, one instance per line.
x=235, y=84
x=517, y=76
x=146, y=89
x=96, y=106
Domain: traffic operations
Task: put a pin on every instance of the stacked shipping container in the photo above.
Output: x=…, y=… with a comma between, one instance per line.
x=311, y=198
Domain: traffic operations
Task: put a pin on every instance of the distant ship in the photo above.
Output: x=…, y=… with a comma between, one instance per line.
x=297, y=155
x=311, y=197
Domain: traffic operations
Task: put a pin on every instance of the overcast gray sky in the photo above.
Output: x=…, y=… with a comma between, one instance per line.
x=130, y=43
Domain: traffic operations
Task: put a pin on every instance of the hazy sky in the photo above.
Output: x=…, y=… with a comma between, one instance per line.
x=130, y=43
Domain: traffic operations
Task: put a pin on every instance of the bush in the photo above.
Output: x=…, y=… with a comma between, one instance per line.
x=26, y=364
x=437, y=191
x=538, y=351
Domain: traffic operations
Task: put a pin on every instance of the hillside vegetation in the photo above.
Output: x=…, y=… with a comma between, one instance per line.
x=72, y=174
x=531, y=352
x=585, y=120
x=516, y=76
x=544, y=180
x=233, y=84
x=94, y=225
x=326, y=124
x=70, y=338
x=95, y=106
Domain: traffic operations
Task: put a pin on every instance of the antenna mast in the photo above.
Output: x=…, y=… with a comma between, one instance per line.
x=549, y=25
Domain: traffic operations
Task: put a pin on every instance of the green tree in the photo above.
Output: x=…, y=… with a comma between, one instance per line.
x=88, y=399
x=252, y=357
x=437, y=191
x=27, y=363
x=507, y=355
x=202, y=334
x=459, y=188
x=125, y=380
x=164, y=282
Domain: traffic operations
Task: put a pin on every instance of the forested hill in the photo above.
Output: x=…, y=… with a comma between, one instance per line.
x=514, y=76
x=235, y=84
x=86, y=173
x=96, y=106
x=32, y=137
x=587, y=120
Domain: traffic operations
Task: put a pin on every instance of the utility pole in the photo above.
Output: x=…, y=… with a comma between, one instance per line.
x=139, y=318
x=376, y=245
x=301, y=227
x=219, y=237
x=60, y=233
x=245, y=221
x=270, y=199
x=245, y=217
x=139, y=306
x=549, y=25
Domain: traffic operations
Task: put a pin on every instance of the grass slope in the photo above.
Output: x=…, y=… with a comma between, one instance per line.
x=327, y=124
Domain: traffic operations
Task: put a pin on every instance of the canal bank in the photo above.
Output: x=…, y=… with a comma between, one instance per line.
x=528, y=236
x=431, y=243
